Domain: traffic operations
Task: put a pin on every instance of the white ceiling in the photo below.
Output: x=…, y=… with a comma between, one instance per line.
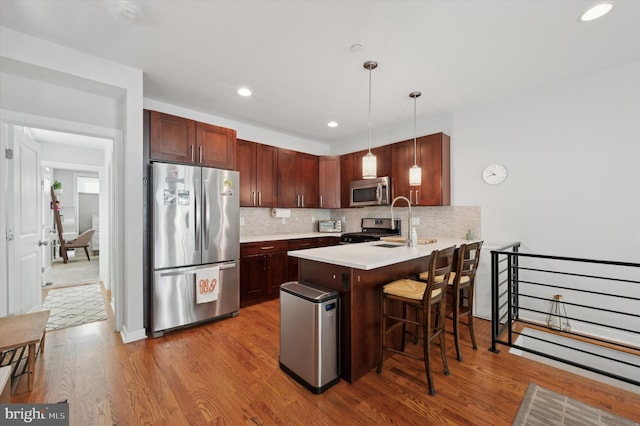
x=297, y=59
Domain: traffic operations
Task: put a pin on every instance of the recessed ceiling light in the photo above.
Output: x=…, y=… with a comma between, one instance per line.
x=332, y=124
x=243, y=91
x=596, y=12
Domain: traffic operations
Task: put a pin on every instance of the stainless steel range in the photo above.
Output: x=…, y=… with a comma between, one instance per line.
x=372, y=230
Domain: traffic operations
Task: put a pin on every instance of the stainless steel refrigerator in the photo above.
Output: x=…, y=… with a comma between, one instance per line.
x=196, y=250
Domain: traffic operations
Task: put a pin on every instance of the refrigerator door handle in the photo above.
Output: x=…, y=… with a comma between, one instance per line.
x=192, y=270
x=207, y=219
x=197, y=192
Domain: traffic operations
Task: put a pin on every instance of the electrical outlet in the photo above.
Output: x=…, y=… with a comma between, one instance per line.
x=415, y=221
x=241, y=221
x=313, y=219
x=344, y=219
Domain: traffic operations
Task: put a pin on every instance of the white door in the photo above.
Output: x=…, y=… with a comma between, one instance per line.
x=24, y=287
x=47, y=226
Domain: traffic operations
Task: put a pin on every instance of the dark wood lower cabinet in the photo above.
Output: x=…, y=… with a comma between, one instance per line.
x=265, y=265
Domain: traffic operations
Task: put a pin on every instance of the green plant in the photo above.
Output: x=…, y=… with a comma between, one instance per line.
x=57, y=184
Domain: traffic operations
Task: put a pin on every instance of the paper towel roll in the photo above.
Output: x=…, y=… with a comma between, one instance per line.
x=280, y=212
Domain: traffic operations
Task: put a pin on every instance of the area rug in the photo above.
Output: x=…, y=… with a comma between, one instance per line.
x=77, y=305
x=541, y=406
x=78, y=271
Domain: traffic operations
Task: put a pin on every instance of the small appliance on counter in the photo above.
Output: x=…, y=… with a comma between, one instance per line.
x=329, y=226
x=372, y=230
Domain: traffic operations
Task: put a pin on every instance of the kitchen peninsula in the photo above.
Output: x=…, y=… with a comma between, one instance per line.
x=357, y=271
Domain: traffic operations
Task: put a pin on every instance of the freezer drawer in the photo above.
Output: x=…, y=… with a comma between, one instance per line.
x=309, y=340
x=174, y=297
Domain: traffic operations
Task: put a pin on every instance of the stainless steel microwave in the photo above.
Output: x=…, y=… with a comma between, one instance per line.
x=370, y=192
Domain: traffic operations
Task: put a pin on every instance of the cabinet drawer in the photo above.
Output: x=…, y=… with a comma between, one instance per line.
x=328, y=241
x=262, y=247
x=303, y=243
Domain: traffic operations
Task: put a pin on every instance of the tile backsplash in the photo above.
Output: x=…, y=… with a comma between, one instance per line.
x=444, y=222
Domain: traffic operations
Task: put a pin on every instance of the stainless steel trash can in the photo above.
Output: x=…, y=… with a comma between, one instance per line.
x=309, y=335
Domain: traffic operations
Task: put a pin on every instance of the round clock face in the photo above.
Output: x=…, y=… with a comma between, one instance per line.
x=494, y=174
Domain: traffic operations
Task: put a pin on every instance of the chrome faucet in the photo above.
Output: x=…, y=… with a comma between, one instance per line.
x=393, y=223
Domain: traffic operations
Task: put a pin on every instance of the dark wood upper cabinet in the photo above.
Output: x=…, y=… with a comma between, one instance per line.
x=402, y=160
x=180, y=140
x=297, y=179
x=433, y=156
x=383, y=161
x=257, y=164
x=351, y=169
x=172, y=138
x=346, y=176
x=329, y=182
x=215, y=146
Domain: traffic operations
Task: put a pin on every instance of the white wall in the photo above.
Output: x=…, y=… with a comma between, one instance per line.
x=35, y=97
x=571, y=151
x=39, y=60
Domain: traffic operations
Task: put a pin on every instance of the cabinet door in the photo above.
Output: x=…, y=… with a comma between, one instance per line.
x=307, y=168
x=292, y=262
x=383, y=161
x=266, y=176
x=276, y=272
x=216, y=146
x=346, y=176
x=434, y=152
x=329, y=182
x=402, y=160
x=287, y=189
x=246, y=153
x=253, y=283
x=172, y=138
x=328, y=241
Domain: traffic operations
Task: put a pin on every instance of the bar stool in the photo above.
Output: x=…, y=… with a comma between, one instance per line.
x=460, y=290
x=461, y=287
x=428, y=299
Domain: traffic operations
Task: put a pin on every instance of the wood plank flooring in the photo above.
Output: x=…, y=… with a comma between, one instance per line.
x=226, y=372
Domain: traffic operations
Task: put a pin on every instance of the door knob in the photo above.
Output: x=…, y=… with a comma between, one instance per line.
x=43, y=243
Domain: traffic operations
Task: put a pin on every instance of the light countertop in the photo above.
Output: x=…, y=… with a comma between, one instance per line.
x=369, y=255
x=278, y=237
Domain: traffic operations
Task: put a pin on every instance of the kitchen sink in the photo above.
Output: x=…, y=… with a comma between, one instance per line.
x=387, y=245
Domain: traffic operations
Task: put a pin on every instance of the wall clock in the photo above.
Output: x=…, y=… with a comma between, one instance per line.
x=494, y=174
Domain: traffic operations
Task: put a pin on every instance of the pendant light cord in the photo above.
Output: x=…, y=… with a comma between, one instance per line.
x=415, y=161
x=369, y=109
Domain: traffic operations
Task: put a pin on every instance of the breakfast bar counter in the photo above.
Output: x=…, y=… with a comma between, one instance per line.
x=357, y=271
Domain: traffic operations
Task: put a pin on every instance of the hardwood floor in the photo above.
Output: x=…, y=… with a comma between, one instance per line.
x=227, y=372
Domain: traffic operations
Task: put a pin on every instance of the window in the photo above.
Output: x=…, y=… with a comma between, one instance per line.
x=88, y=185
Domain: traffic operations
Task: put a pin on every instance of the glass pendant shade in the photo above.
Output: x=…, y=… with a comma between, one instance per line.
x=415, y=176
x=369, y=166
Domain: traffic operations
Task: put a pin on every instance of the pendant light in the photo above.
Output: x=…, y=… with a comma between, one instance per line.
x=369, y=166
x=415, y=172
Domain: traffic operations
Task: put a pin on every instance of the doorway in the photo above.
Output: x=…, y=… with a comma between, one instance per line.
x=79, y=156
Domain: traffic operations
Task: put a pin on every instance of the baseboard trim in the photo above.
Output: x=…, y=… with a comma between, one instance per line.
x=128, y=337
